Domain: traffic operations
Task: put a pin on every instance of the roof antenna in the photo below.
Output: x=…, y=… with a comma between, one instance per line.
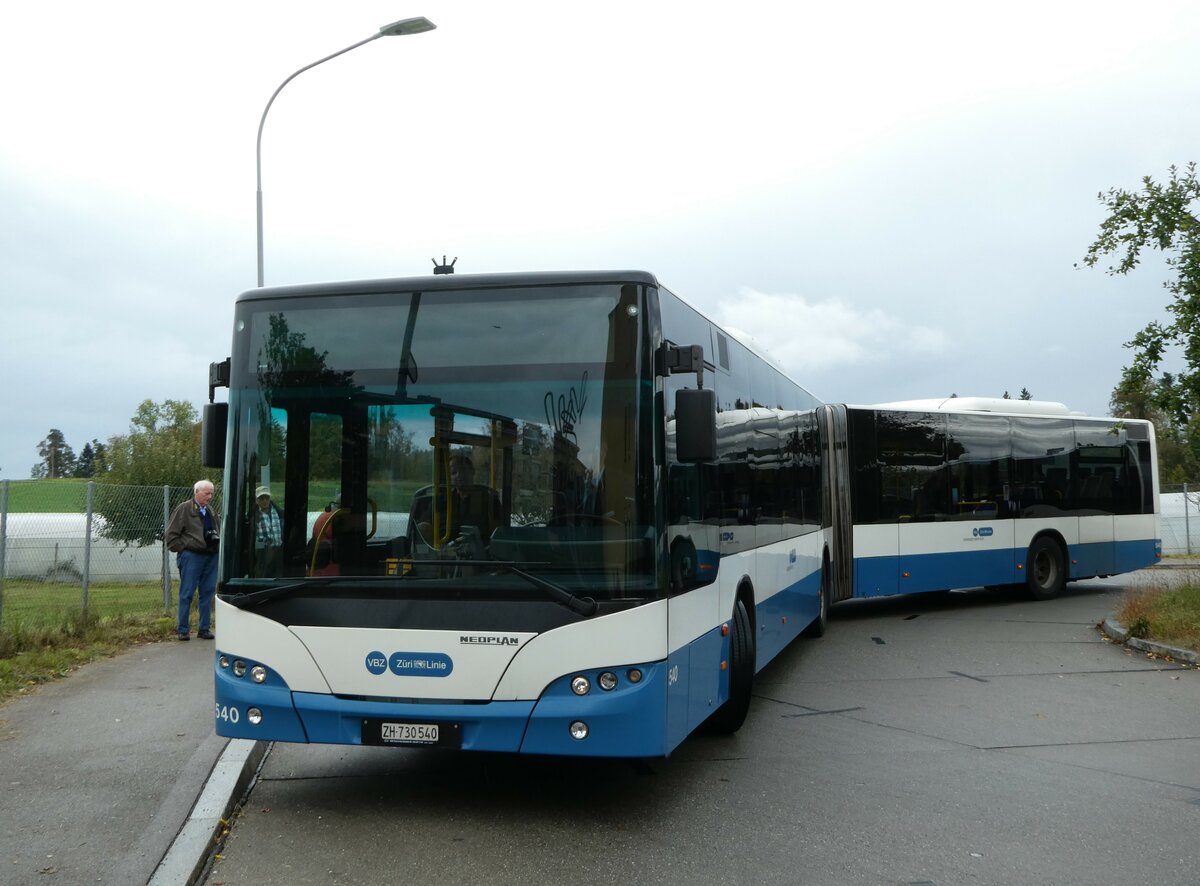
x=443, y=268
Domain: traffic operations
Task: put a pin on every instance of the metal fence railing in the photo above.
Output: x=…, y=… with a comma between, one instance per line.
x=1180, y=507
x=99, y=547
x=90, y=547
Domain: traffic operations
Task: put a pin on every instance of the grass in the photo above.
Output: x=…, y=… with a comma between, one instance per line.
x=31, y=654
x=70, y=496
x=47, y=496
x=45, y=634
x=1164, y=615
x=37, y=603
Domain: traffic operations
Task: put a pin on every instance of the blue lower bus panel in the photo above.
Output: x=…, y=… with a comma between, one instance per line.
x=626, y=721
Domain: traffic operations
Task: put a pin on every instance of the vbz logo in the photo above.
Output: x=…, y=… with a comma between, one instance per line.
x=377, y=662
x=982, y=532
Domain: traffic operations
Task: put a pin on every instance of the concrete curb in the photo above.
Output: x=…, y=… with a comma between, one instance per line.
x=1120, y=633
x=189, y=854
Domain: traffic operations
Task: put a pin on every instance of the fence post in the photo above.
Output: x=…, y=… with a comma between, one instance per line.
x=87, y=544
x=3, y=540
x=1187, y=526
x=166, y=555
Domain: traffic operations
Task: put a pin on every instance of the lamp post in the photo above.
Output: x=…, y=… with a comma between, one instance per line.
x=395, y=29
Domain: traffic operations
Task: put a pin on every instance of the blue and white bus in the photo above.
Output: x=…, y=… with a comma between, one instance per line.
x=641, y=530
x=954, y=493
x=567, y=514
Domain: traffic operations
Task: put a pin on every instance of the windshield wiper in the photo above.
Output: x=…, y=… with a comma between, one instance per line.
x=585, y=606
x=253, y=598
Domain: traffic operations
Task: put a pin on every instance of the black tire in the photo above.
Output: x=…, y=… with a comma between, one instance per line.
x=1045, y=569
x=821, y=622
x=729, y=717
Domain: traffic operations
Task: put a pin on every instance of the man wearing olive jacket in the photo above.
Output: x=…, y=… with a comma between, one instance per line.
x=192, y=535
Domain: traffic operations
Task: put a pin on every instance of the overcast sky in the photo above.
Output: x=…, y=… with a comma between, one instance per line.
x=890, y=197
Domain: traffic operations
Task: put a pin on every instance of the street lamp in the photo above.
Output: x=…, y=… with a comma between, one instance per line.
x=395, y=29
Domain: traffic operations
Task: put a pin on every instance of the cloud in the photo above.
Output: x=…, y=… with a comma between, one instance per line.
x=806, y=336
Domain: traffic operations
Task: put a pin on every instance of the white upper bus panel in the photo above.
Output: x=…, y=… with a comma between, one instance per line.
x=981, y=404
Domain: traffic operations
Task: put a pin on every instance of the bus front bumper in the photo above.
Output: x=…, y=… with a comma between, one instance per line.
x=628, y=721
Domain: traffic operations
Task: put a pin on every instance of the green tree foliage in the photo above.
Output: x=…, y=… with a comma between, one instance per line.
x=57, y=458
x=1160, y=216
x=1025, y=395
x=162, y=448
x=92, y=461
x=1159, y=401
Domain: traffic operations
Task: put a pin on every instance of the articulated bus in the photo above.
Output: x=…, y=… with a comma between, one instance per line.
x=566, y=514
x=641, y=550
x=965, y=492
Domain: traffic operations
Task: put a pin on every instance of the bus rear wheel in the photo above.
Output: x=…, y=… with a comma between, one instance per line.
x=1046, y=573
x=729, y=717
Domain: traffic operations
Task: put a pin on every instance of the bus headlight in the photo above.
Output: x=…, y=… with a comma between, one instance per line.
x=579, y=730
x=239, y=668
x=258, y=674
x=254, y=715
x=223, y=661
x=634, y=675
x=581, y=685
x=607, y=681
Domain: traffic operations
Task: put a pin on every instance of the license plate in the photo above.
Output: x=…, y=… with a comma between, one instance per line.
x=409, y=733
x=390, y=732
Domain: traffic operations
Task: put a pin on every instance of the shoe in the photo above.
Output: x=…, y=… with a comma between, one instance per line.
x=204, y=635
x=184, y=637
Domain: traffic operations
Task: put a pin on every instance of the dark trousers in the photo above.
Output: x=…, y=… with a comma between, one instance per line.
x=196, y=572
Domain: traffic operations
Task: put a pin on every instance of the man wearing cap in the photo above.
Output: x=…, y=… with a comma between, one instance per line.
x=268, y=534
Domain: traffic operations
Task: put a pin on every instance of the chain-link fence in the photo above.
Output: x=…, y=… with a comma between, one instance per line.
x=91, y=547
x=99, y=548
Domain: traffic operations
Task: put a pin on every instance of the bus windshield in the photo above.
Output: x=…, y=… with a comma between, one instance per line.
x=483, y=440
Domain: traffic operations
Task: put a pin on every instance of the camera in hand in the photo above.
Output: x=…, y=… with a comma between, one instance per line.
x=212, y=540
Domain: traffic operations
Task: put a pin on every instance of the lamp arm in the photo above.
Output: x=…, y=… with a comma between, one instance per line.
x=262, y=122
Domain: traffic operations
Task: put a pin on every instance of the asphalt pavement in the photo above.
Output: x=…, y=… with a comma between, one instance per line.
x=116, y=775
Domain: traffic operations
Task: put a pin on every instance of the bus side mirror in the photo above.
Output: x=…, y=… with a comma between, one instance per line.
x=696, y=425
x=213, y=425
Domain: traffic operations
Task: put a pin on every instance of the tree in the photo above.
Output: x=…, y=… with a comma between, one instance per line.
x=162, y=448
x=1163, y=217
x=92, y=461
x=1158, y=401
x=58, y=459
x=1025, y=395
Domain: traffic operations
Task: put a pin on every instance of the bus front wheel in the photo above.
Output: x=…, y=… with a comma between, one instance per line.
x=729, y=717
x=1046, y=567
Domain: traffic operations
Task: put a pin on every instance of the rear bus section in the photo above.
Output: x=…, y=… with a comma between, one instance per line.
x=945, y=498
